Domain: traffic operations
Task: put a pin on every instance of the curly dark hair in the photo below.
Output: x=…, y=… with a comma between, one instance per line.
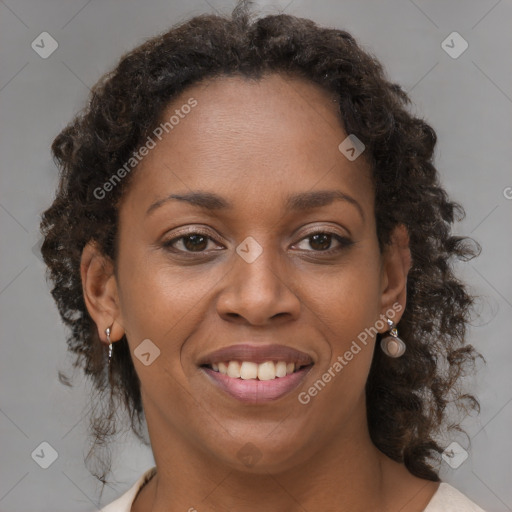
x=407, y=398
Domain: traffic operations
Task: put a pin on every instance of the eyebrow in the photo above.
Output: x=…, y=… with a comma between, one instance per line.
x=298, y=202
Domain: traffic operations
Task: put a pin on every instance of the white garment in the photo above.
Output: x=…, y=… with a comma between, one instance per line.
x=446, y=498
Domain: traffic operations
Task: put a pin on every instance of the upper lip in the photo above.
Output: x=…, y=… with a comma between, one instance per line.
x=256, y=354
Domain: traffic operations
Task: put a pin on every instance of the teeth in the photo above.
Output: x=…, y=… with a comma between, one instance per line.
x=234, y=369
x=267, y=371
x=281, y=369
x=247, y=370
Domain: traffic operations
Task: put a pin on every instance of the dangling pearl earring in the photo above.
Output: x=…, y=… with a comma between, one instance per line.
x=391, y=344
x=107, y=332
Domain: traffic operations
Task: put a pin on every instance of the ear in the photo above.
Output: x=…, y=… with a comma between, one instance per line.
x=395, y=268
x=100, y=291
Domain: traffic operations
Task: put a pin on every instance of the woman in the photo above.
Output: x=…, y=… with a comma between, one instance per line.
x=252, y=249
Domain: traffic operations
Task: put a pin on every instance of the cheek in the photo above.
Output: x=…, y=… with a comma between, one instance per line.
x=347, y=297
x=161, y=301
x=345, y=312
x=345, y=306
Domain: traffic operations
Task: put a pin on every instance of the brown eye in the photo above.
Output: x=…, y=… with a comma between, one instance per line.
x=322, y=241
x=193, y=242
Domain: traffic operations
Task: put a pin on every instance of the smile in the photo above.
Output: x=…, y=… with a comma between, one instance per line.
x=256, y=373
x=254, y=390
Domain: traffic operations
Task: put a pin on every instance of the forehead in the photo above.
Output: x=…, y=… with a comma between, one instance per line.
x=274, y=111
x=251, y=135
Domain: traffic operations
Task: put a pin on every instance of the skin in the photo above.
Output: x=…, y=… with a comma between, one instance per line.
x=254, y=143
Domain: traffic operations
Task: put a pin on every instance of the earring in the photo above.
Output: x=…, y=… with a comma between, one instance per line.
x=107, y=332
x=391, y=344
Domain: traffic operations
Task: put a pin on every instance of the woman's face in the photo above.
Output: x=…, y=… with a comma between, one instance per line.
x=272, y=258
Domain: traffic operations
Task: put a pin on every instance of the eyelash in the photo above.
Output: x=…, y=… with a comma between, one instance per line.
x=343, y=242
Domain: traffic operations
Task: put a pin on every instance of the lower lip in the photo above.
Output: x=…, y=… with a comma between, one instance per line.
x=257, y=391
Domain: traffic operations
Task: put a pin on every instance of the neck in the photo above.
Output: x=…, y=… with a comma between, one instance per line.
x=347, y=474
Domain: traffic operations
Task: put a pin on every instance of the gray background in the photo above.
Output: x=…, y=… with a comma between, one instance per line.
x=467, y=100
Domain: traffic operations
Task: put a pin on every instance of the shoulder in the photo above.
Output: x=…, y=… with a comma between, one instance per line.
x=124, y=502
x=449, y=499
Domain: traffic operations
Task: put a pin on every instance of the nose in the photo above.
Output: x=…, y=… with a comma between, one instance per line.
x=259, y=292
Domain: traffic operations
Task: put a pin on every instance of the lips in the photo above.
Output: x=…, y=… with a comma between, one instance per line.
x=256, y=373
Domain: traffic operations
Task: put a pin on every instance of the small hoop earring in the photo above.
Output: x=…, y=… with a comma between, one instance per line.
x=107, y=332
x=391, y=344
